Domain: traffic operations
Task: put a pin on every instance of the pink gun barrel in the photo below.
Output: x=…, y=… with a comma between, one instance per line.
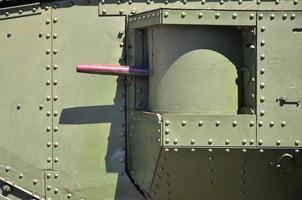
x=118, y=70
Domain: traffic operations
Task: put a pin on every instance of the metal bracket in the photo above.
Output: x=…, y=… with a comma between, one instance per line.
x=20, y=11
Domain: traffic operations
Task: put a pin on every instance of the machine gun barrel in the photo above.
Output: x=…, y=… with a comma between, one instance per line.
x=118, y=70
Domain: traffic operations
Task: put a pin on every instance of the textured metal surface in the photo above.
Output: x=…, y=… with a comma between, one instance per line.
x=144, y=145
x=88, y=110
x=220, y=174
x=209, y=130
x=279, y=75
x=192, y=17
x=118, y=7
x=24, y=89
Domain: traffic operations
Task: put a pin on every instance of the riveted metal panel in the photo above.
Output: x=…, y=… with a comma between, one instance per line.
x=89, y=118
x=279, y=79
x=209, y=130
x=24, y=89
x=185, y=173
x=118, y=7
x=192, y=17
x=144, y=144
x=20, y=11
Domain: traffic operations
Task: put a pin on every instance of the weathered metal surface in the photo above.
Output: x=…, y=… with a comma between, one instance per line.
x=209, y=130
x=144, y=145
x=24, y=106
x=279, y=75
x=109, y=69
x=118, y=7
x=185, y=173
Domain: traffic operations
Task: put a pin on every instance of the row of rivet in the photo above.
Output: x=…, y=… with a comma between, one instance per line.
x=221, y=2
x=20, y=11
x=226, y=150
x=20, y=175
x=272, y=16
x=201, y=124
x=210, y=142
x=216, y=16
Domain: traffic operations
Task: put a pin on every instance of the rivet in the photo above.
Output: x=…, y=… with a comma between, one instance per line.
x=55, y=20
x=252, y=16
x=121, y=11
x=283, y=123
x=234, y=123
x=55, y=98
x=47, y=67
x=48, y=113
x=56, y=144
x=271, y=124
x=262, y=99
x=183, y=14
x=210, y=150
x=183, y=123
x=6, y=13
x=166, y=14
x=200, y=123
x=262, y=71
x=20, y=11
x=235, y=16
x=175, y=150
x=55, y=51
x=7, y=169
x=48, y=160
x=252, y=123
x=278, y=142
x=210, y=141
x=227, y=142
x=243, y=142
x=167, y=141
x=35, y=181
x=217, y=15
x=148, y=2
x=48, y=175
x=262, y=112
x=56, y=176
x=293, y=16
x=260, y=142
x=56, y=159
x=47, y=51
x=47, y=21
x=251, y=142
x=295, y=2
x=297, y=150
x=166, y=1
x=47, y=36
x=48, y=144
x=167, y=150
x=261, y=150
x=48, y=187
x=260, y=123
x=55, y=129
x=20, y=176
x=46, y=7
x=55, y=36
x=262, y=43
x=192, y=141
x=239, y=2
x=34, y=9
x=55, y=67
x=200, y=15
x=193, y=150
x=258, y=2
x=55, y=82
x=18, y=106
x=221, y=2
x=56, y=190
x=262, y=28
x=284, y=16
x=175, y=141
x=203, y=1
x=297, y=142
x=103, y=11
x=228, y=150
x=167, y=131
x=260, y=16
x=48, y=82
x=217, y=123
x=55, y=113
x=272, y=16
x=262, y=57
x=48, y=128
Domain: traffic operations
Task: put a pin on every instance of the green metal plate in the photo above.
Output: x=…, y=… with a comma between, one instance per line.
x=24, y=105
x=192, y=17
x=209, y=130
x=144, y=145
x=118, y=7
x=279, y=75
x=89, y=144
x=216, y=174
